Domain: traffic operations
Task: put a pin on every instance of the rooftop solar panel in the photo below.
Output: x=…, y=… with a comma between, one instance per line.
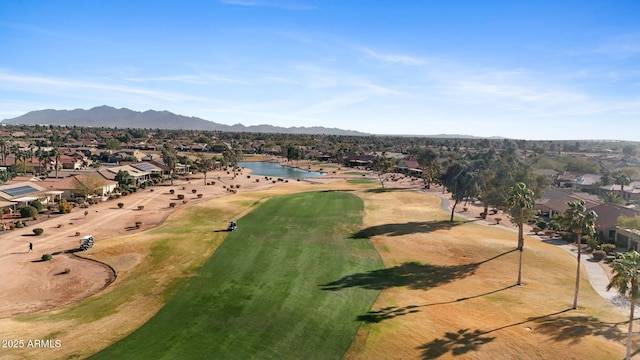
x=145, y=167
x=20, y=190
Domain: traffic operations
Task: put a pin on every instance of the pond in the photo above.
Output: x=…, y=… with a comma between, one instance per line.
x=264, y=168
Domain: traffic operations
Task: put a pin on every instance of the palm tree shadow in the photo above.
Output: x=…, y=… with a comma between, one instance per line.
x=574, y=328
x=464, y=340
x=407, y=228
x=413, y=275
x=458, y=343
x=394, y=311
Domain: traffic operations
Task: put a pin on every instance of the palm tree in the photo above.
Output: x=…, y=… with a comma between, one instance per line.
x=4, y=151
x=520, y=203
x=55, y=153
x=622, y=180
x=579, y=221
x=626, y=279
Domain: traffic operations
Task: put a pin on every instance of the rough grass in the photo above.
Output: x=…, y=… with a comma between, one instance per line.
x=475, y=314
x=261, y=295
x=448, y=291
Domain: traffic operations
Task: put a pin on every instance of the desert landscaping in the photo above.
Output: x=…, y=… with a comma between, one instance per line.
x=457, y=316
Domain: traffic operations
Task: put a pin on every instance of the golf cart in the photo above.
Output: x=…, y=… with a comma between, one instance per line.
x=232, y=226
x=86, y=242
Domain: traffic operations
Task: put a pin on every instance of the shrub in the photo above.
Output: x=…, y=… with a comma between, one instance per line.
x=46, y=257
x=180, y=196
x=608, y=248
x=593, y=244
x=599, y=255
x=19, y=225
x=37, y=204
x=199, y=196
x=120, y=205
x=238, y=186
x=194, y=191
x=138, y=224
x=64, y=207
x=172, y=204
x=28, y=212
x=38, y=231
x=542, y=225
x=172, y=191
x=140, y=207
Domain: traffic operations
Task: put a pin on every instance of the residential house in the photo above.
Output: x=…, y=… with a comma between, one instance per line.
x=409, y=166
x=587, y=183
x=555, y=200
x=20, y=194
x=607, y=219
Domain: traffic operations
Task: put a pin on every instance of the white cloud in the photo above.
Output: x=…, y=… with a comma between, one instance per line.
x=392, y=58
x=281, y=4
x=622, y=45
x=81, y=88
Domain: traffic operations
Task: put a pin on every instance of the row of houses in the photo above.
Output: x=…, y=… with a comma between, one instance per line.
x=568, y=188
x=64, y=184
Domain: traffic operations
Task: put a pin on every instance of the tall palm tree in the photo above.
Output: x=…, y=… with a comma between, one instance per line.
x=520, y=203
x=4, y=151
x=626, y=279
x=622, y=180
x=55, y=153
x=579, y=221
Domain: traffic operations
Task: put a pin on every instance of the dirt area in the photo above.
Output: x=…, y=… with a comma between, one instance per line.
x=30, y=285
x=474, y=311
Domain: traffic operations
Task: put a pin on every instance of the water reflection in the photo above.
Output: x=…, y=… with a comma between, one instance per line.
x=264, y=168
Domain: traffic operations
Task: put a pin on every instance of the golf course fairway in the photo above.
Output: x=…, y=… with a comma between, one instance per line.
x=260, y=296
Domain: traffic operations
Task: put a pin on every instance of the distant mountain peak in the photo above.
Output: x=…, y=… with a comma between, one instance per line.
x=107, y=116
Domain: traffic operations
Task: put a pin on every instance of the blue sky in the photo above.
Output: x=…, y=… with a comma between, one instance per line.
x=519, y=69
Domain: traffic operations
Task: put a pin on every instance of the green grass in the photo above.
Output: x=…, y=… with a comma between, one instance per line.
x=260, y=297
x=361, y=173
x=361, y=181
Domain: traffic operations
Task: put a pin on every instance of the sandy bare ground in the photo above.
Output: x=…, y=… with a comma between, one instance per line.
x=30, y=285
x=474, y=313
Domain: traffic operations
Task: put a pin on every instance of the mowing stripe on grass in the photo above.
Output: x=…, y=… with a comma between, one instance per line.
x=258, y=297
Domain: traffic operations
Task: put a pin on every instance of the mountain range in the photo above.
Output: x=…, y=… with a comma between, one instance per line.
x=107, y=116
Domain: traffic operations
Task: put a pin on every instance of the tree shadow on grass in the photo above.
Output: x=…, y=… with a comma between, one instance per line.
x=458, y=343
x=414, y=275
x=465, y=340
x=394, y=311
x=387, y=189
x=407, y=228
x=574, y=328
